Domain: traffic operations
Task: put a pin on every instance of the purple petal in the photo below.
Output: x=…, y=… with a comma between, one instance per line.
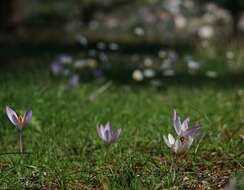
x=107, y=136
x=109, y=127
x=191, y=131
x=27, y=117
x=184, y=125
x=116, y=135
x=12, y=115
x=176, y=123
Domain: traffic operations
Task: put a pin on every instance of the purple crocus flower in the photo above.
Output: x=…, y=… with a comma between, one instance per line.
x=20, y=121
x=106, y=133
x=185, y=134
x=182, y=129
x=64, y=59
x=73, y=81
x=57, y=68
x=178, y=146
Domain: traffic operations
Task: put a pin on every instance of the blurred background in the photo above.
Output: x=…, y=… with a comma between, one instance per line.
x=139, y=40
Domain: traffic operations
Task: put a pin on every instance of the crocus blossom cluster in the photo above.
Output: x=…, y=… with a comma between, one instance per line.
x=178, y=145
x=75, y=69
x=106, y=133
x=185, y=135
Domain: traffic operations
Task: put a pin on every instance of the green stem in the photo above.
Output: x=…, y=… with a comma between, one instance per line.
x=173, y=167
x=21, y=141
x=107, y=152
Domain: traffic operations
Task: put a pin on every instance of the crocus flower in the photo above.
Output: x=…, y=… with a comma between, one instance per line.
x=65, y=59
x=73, y=81
x=56, y=68
x=20, y=121
x=185, y=135
x=178, y=146
x=182, y=129
x=106, y=133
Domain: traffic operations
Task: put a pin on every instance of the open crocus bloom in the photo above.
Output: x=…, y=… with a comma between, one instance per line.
x=178, y=146
x=18, y=120
x=182, y=129
x=106, y=133
x=185, y=134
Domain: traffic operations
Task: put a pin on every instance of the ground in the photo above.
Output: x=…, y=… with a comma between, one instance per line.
x=63, y=150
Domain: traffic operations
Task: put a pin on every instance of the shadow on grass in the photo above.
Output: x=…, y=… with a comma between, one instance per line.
x=22, y=60
x=40, y=49
x=122, y=76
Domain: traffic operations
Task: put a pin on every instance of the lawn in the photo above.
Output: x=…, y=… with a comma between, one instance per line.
x=63, y=150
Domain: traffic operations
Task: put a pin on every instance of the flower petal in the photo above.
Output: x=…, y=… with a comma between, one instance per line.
x=167, y=141
x=171, y=139
x=176, y=123
x=107, y=136
x=191, y=131
x=102, y=131
x=177, y=148
x=184, y=125
x=27, y=117
x=12, y=115
x=99, y=132
x=108, y=127
x=116, y=135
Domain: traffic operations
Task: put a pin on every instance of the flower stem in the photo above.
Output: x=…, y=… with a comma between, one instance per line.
x=173, y=167
x=21, y=141
x=107, y=152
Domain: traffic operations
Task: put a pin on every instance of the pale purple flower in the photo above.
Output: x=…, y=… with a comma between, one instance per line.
x=178, y=146
x=182, y=129
x=20, y=121
x=185, y=135
x=106, y=133
x=57, y=68
x=64, y=59
x=73, y=81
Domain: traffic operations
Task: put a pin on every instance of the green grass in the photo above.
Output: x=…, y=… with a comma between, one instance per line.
x=64, y=151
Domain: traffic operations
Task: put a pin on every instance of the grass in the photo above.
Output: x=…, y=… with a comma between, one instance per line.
x=63, y=150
